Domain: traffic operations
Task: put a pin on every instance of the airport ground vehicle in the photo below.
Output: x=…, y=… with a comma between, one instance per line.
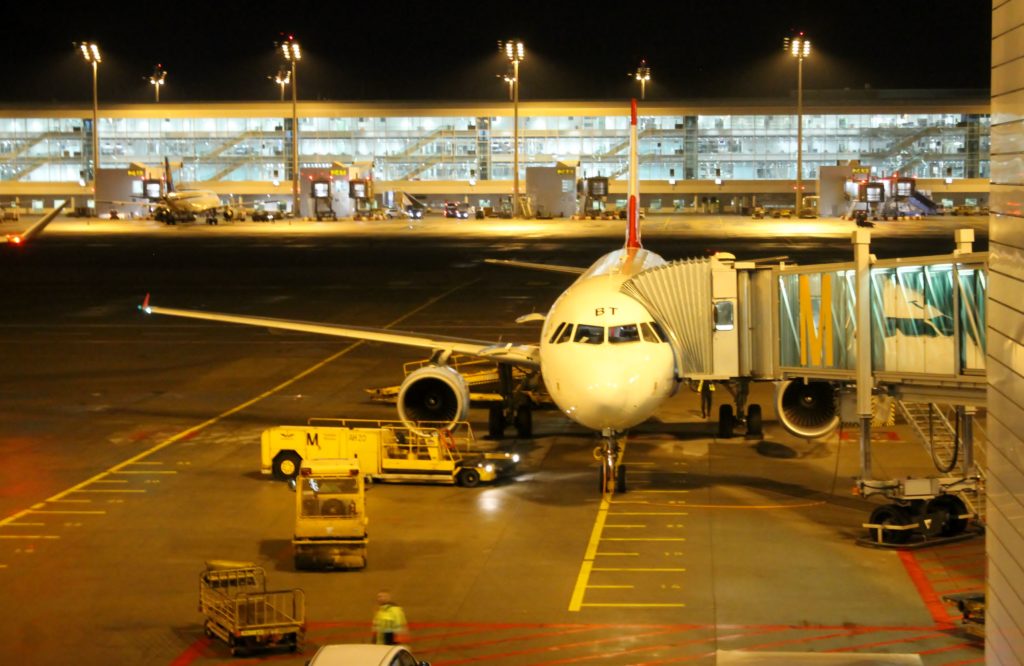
x=364, y=654
x=386, y=451
x=330, y=515
x=240, y=611
x=457, y=210
x=757, y=213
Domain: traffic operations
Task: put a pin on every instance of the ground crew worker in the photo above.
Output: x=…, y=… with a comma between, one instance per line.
x=706, y=389
x=389, y=626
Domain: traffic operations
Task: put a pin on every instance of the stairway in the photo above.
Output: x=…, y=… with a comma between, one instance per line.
x=938, y=435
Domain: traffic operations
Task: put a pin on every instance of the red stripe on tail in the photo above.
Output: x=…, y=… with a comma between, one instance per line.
x=633, y=232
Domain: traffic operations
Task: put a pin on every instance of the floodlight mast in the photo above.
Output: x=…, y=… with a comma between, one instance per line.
x=292, y=54
x=515, y=52
x=643, y=75
x=91, y=52
x=799, y=47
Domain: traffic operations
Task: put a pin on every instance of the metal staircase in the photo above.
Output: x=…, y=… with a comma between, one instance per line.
x=939, y=437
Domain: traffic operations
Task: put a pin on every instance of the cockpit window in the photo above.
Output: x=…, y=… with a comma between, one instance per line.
x=558, y=329
x=565, y=335
x=659, y=330
x=624, y=333
x=647, y=333
x=589, y=334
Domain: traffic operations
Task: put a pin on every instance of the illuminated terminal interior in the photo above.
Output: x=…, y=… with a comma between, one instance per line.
x=465, y=149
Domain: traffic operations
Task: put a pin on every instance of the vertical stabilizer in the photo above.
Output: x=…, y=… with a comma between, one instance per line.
x=633, y=228
x=168, y=178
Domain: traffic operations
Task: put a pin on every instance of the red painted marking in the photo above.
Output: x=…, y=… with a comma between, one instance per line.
x=924, y=588
x=950, y=648
x=632, y=111
x=633, y=237
x=192, y=652
x=895, y=641
x=964, y=662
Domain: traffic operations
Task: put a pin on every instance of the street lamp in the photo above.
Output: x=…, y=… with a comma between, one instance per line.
x=282, y=78
x=515, y=52
x=643, y=75
x=799, y=47
x=91, y=53
x=290, y=49
x=157, y=78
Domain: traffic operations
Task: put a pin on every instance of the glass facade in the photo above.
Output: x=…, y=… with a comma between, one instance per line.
x=458, y=147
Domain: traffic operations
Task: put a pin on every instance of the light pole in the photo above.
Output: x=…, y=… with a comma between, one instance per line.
x=292, y=54
x=643, y=75
x=91, y=53
x=515, y=53
x=157, y=78
x=282, y=78
x=799, y=47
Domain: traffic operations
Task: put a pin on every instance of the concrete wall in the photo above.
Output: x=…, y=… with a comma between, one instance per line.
x=1004, y=541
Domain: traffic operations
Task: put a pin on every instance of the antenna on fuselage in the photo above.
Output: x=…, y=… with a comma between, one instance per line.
x=633, y=225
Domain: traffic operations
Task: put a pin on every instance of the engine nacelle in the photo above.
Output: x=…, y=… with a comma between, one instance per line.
x=808, y=410
x=434, y=393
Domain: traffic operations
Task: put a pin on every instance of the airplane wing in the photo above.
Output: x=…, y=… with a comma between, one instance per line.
x=35, y=229
x=507, y=352
x=539, y=267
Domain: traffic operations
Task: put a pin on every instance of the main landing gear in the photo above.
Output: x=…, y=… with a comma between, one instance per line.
x=750, y=416
x=516, y=407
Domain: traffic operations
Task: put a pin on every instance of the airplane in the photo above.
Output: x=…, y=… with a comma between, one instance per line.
x=605, y=361
x=34, y=230
x=173, y=206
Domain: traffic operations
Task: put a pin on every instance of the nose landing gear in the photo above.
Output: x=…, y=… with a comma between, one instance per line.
x=612, y=472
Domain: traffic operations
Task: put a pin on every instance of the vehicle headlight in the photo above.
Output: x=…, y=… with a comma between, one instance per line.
x=515, y=457
x=489, y=468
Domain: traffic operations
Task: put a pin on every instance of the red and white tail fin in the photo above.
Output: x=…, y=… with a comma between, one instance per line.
x=633, y=225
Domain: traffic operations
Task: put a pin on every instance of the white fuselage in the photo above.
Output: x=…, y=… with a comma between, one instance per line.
x=193, y=201
x=609, y=372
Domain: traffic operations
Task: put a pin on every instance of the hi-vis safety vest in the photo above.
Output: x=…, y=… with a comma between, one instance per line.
x=388, y=621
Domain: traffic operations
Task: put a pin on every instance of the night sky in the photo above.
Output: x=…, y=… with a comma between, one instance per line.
x=429, y=50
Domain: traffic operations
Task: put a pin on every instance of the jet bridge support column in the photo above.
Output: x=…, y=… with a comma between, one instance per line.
x=862, y=259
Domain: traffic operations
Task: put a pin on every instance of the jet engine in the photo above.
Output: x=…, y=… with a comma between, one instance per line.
x=808, y=409
x=434, y=393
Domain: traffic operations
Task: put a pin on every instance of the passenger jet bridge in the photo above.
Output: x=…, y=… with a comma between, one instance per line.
x=735, y=322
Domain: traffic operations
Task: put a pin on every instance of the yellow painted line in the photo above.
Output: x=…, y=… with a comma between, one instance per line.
x=29, y=536
x=624, y=526
x=3, y=566
x=142, y=471
x=651, y=513
x=603, y=554
x=755, y=507
x=644, y=539
x=139, y=458
x=24, y=525
x=55, y=513
x=636, y=605
x=146, y=462
x=588, y=558
x=71, y=501
x=98, y=490
x=111, y=481
x=654, y=569
x=609, y=587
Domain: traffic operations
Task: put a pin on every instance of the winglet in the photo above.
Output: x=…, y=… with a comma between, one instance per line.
x=145, y=304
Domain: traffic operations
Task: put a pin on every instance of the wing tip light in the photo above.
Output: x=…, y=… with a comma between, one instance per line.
x=144, y=307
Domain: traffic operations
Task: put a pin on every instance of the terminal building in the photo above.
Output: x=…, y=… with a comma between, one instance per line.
x=695, y=156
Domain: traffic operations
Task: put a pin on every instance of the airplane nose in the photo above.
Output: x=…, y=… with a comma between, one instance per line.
x=610, y=400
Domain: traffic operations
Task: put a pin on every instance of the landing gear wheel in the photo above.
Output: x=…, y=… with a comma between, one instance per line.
x=524, y=421
x=952, y=507
x=890, y=514
x=496, y=422
x=726, y=421
x=286, y=465
x=754, y=424
x=469, y=478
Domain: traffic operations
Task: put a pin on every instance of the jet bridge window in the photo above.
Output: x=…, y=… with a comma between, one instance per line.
x=564, y=334
x=724, y=316
x=624, y=333
x=589, y=334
